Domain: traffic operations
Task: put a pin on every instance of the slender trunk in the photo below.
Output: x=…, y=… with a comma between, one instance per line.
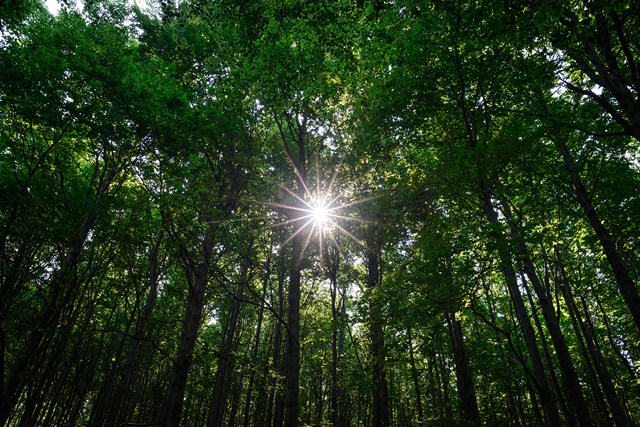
x=555, y=383
x=591, y=374
x=443, y=374
x=434, y=388
x=542, y=386
x=223, y=373
x=292, y=352
x=122, y=395
x=612, y=342
x=381, y=412
x=464, y=384
x=275, y=404
x=256, y=343
x=573, y=391
x=416, y=378
x=64, y=285
x=336, y=394
x=171, y=409
x=625, y=283
x=617, y=411
x=506, y=365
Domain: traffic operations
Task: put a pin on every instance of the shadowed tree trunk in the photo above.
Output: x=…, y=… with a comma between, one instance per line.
x=249, y=399
x=116, y=411
x=381, y=404
x=225, y=359
x=542, y=386
x=464, y=382
x=197, y=273
x=415, y=377
x=626, y=285
x=579, y=410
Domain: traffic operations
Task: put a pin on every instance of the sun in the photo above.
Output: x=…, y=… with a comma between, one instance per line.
x=320, y=212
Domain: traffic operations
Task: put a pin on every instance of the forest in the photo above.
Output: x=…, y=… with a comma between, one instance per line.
x=365, y=213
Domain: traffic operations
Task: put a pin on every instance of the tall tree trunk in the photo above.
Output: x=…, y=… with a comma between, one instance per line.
x=464, y=383
x=594, y=385
x=542, y=386
x=198, y=278
x=116, y=411
x=224, y=370
x=625, y=283
x=617, y=410
x=292, y=351
x=381, y=407
x=63, y=287
x=555, y=383
x=275, y=404
x=415, y=377
x=573, y=391
x=336, y=381
x=246, y=413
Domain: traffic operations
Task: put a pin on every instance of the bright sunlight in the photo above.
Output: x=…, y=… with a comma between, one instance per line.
x=320, y=212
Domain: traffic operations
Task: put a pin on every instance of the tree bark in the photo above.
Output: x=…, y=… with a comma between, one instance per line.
x=198, y=278
x=573, y=390
x=381, y=410
x=292, y=351
x=542, y=386
x=63, y=287
x=464, y=383
x=223, y=373
x=246, y=417
x=416, y=378
x=116, y=411
x=625, y=283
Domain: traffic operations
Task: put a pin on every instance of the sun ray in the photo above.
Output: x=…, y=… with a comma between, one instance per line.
x=306, y=242
x=289, y=221
x=334, y=177
x=255, y=218
x=354, y=238
x=297, y=232
x=301, y=179
x=281, y=205
x=296, y=196
x=360, y=220
x=320, y=239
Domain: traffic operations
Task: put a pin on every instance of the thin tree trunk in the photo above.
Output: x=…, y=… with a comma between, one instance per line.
x=626, y=285
x=573, y=391
x=591, y=374
x=275, y=404
x=116, y=412
x=198, y=278
x=256, y=341
x=542, y=386
x=336, y=381
x=555, y=383
x=416, y=378
x=443, y=375
x=223, y=373
x=464, y=383
x=64, y=285
x=617, y=410
x=292, y=351
x=381, y=411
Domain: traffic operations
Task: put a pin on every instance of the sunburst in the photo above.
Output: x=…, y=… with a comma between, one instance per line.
x=321, y=214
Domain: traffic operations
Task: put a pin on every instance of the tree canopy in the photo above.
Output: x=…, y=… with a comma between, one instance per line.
x=347, y=213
